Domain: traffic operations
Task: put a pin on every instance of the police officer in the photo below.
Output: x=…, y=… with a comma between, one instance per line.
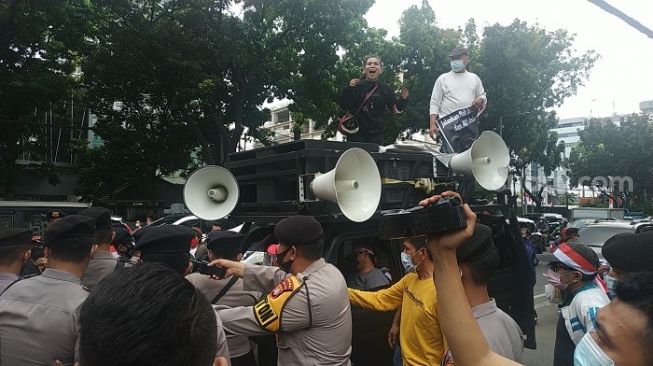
x=15, y=247
x=307, y=305
x=103, y=262
x=170, y=245
x=228, y=291
x=123, y=242
x=626, y=253
x=38, y=315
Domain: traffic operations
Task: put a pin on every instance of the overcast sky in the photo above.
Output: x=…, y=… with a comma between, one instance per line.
x=621, y=79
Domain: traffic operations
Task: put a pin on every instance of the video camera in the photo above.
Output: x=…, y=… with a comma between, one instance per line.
x=204, y=268
x=445, y=215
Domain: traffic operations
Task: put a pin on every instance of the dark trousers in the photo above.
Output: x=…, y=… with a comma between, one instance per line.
x=367, y=137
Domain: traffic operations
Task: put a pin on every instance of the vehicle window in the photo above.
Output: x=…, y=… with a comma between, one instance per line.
x=384, y=251
x=597, y=236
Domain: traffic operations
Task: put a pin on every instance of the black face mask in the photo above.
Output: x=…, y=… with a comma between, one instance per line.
x=285, y=266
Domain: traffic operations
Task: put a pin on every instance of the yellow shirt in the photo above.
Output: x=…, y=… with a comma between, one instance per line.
x=422, y=341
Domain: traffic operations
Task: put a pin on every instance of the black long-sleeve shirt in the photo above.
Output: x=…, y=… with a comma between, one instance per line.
x=370, y=118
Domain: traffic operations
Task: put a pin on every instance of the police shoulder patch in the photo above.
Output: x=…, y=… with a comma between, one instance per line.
x=268, y=310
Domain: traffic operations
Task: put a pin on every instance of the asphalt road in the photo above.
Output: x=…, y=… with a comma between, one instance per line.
x=546, y=324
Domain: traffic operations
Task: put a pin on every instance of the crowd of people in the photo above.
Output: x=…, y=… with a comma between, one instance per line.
x=104, y=295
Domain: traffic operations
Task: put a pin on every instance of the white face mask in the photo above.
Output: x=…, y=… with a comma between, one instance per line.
x=588, y=353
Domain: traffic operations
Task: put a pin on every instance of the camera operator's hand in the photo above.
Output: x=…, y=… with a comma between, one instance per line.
x=451, y=240
x=233, y=268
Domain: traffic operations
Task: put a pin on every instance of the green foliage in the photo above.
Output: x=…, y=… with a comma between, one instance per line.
x=606, y=149
x=40, y=44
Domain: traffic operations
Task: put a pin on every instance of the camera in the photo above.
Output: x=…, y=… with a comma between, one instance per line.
x=204, y=268
x=445, y=215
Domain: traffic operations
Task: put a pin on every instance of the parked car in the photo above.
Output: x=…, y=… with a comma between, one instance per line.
x=595, y=235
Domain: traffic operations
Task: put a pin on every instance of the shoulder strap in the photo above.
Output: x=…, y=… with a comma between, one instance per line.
x=16, y=281
x=224, y=290
x=367, y=97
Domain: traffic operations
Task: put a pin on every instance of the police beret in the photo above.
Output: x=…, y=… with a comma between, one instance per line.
x=11, y=237
x=478, y=246
x=298, y=230
x=165, y=239
x=101, y=215
x=56, y=214
x=630, y=252
x=70, y=227
x=229, y=242
x=123, y=235
x=458, y=51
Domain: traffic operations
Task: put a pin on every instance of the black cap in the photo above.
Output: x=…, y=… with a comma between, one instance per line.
x=123, y=235
x=165, y=239
x=101, y=215
x=479, y=246
x=70, y=227
x=458, y=51
x=56, y=214
x=630, y=252
x=226, y=243
x=13, y=237
x=298, y=230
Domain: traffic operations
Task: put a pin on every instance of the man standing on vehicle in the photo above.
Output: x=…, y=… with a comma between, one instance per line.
x=421, y=340
x=455, y=90
x=307, y=305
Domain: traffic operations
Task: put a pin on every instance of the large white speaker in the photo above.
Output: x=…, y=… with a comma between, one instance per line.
x=354, y=184
x=487, y=160
x=211, y=192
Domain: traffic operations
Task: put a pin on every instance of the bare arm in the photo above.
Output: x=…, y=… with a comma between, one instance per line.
x=467, y=344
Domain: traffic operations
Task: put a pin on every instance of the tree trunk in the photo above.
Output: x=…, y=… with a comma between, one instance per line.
x=206, y=148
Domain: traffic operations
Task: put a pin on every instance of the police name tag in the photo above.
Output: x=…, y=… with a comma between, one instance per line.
x=268, y=310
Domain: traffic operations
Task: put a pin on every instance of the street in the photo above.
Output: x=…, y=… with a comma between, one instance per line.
x=546, y=324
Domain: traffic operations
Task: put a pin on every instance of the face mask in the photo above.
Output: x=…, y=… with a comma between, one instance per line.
x=588, y=353
x=553, y=294
x=554, y=279
x=611, y=282
x=285, y=266
x=457, y=65
x=408, y=264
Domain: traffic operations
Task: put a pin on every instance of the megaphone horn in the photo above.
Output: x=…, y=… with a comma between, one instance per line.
x=211, y=192
x=487, y=161
x=354, y=184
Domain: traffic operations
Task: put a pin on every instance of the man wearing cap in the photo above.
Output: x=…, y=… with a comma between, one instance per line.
x=571, y=275
x=38, y=315
x=455, y=90
x=307, y=305
x=478, y=259
x=626, y=253
x=367, y=276
x=15, y=252
x=103, y=262
x=54, y=215
x=421, y=340
x=170, y=245
x=228, y=291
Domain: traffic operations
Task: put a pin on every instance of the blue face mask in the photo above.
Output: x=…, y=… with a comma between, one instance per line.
x=457, y=65
x=588, y=353
x=407, y=262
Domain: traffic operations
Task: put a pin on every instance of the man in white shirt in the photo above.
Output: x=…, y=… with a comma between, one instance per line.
x=455, y=89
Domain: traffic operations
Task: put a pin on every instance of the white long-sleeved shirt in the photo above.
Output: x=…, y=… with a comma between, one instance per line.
x=455, y=90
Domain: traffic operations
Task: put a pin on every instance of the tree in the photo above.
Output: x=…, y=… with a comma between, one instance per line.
x=610, y=150
x=191, y=76
x=40, y=45
x=526, y=69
